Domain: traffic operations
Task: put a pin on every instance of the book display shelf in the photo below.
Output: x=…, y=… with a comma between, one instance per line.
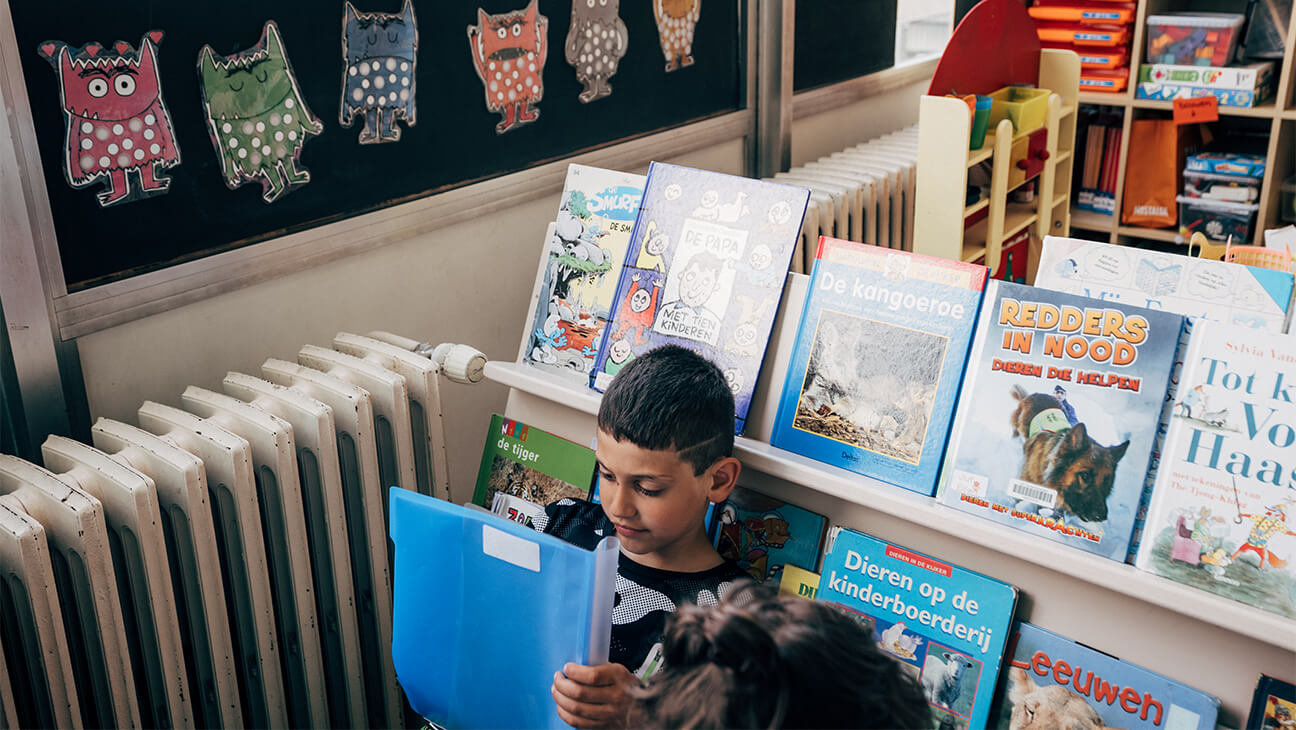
x=1203, y=640
x=1277, y=117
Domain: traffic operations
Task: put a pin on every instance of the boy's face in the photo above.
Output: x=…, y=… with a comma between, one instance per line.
x=657, y=503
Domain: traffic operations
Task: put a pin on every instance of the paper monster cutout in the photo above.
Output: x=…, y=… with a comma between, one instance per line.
x=256, y=115
x=379, y=50
x=595, y=44
x=117, y=123
x=508, y=52
x=676, y=20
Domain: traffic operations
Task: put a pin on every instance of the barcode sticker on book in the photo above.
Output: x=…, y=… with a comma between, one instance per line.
x=1043, y=496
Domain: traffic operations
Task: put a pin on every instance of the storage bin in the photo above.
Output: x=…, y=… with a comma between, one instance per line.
x=1193, y=39
x=1287, y=209
x=1082, y=35
x=1085, y=14
x=1093, y=57
x=1026, y=107
x=1098, y=79
x=1228, y=188
x=1217, y=220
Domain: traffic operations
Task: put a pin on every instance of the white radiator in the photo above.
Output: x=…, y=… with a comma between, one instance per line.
x=225, y=563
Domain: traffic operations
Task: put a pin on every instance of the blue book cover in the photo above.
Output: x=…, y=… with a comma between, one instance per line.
x=946, y=625
x=486, y=610
x=1057, y=416
x=762, y=534
x=1273, y=706
x=705, y=268
x=1052, y=681
x=878, y=359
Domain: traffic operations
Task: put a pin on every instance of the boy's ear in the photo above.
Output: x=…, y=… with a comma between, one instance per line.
x=724, y=475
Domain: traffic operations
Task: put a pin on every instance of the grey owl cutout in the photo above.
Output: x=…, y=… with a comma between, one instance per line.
x=595, y=45
x=379, y=50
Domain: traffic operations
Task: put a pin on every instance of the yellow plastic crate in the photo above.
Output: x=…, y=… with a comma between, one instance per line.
x=1027, y=108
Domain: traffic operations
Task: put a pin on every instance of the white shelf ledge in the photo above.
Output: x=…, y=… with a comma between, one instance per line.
x=925, y=511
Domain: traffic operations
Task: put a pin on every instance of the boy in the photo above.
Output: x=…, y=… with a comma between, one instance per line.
x=665, y=445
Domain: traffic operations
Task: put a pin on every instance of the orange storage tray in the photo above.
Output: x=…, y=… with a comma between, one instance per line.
x=1084, y=14
x=1083, y=35
x=1113, y=80
x=1094, y=56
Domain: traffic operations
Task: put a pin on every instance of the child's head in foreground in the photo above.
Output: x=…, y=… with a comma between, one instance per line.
x=665, y=445
x=756, y=661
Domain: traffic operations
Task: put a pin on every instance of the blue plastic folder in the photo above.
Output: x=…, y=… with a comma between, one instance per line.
x=486, y=610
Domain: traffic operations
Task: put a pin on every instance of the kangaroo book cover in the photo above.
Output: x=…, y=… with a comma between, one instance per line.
x=531, y=464
x=1223, y=512
x=1057, y=416
x=763, y=534
x=878, y=359
x=705, y=269
x=945, y=625
x=1054, y=682
x=582, y=266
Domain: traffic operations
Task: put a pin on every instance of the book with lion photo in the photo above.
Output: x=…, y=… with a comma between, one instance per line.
x=1057, y=416
x=528, y=464
x=1223, y=512
x=878, y=358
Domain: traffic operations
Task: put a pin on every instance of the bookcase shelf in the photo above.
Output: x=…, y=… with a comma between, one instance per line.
x=1089, y=220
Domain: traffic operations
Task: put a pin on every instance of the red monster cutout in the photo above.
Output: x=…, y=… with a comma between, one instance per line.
x=637, y=310
x=508, y=52
x=116, y=120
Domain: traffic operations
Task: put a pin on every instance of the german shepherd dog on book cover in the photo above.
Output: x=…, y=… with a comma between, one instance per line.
x=1058, y=413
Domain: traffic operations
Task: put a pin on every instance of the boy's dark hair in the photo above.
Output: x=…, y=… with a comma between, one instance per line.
x=761, y=661
x=671, y=398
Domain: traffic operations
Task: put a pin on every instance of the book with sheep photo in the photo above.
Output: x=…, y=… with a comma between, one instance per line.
x=946, y=625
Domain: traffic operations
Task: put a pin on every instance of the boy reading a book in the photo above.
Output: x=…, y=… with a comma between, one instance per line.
x=665, y=445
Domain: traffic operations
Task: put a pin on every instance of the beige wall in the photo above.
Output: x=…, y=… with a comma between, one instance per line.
x=822, y=134
x=466, y=283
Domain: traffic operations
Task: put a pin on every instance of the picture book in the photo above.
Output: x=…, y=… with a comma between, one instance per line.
x=944, y=624
x=879, y=354
x=515, y=509
x=798, y=582
x=1223, y=514
x=526, y=462
x=1273, y=706
x=1242, y=296
x=762, y=534
x=1053, y=681
x=1057, y=415
x=582, y=265
x=708, y=256
x=511, y=603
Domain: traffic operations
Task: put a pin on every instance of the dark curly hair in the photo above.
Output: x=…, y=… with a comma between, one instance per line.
x=761, y=661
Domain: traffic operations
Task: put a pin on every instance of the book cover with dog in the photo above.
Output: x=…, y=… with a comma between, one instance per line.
x=582, y=264
x=1052, y=681
x=1223, y=513
x=531, y=464
x=1057, y=416
x=946, y=625
x=879, y=354
x=763, y=534
x=708, y=256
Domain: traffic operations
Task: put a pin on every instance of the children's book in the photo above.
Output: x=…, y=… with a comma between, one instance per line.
x=705, y=269
x=944, y=624
x=878, y=358
x=1242, y=296
x=1053, y=681
x=763, y=535
x=515, y=509
x=531, y=464
x=1273, y=706
x=581, y=268
x=1057, y=415
x=486, y=610
x=798, y=582
x=1223, y=513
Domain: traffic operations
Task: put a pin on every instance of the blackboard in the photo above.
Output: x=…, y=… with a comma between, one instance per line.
x=838, y=40
x=453, y=143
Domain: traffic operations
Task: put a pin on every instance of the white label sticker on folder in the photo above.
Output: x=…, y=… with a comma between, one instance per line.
x=511, y=549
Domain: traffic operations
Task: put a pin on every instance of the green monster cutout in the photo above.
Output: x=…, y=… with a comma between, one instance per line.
x=256, y=115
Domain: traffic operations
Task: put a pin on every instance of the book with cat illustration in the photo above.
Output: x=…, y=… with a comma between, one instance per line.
x=530, y=464
x=879, y=354
x=1057, y=415
x=580, y=269
x=1053, y=681
x=1223, y=513
x=708, y=256
x=944, y=624
x=763, y=534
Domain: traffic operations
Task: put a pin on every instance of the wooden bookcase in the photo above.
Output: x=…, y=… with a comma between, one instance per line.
x=1279, y=115
x=940, y=208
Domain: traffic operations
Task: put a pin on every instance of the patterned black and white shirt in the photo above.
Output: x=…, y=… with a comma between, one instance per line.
x=645, y=597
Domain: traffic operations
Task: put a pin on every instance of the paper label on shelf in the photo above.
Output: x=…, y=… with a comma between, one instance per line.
x=1193, y=111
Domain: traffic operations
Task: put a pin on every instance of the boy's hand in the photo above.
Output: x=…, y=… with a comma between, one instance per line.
x=593, y=697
